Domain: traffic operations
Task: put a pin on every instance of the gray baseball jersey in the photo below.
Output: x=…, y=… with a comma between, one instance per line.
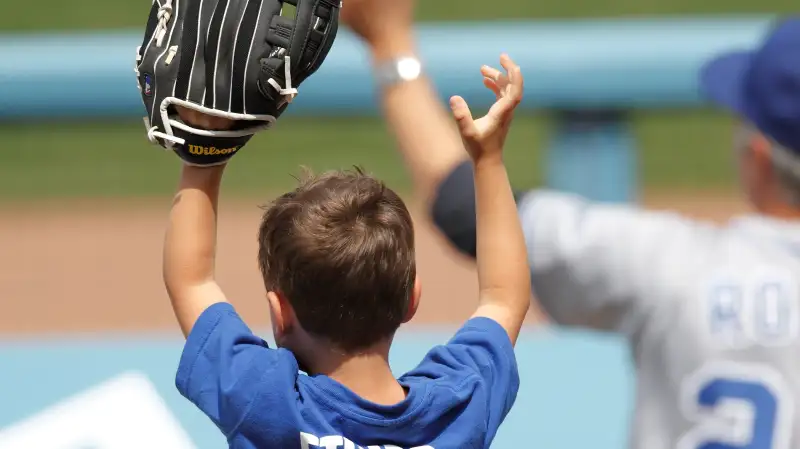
x=712, y=314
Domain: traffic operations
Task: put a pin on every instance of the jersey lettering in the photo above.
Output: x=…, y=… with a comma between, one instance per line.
x=773, y=312
x=762, y=309
x=725, y=313
x=737, y=406
x=308, y=441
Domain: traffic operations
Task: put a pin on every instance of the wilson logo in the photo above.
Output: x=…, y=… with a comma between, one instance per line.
x=200, y=150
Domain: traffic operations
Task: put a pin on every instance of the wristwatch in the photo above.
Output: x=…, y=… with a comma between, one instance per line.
x=398, y=70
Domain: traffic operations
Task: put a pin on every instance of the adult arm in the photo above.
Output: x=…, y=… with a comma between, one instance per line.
x=601, y=266
x=424, y=131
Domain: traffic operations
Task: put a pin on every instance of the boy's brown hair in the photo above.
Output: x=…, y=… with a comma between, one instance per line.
x=340, y=249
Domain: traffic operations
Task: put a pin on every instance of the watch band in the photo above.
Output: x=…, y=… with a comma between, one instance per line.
x=398, y=70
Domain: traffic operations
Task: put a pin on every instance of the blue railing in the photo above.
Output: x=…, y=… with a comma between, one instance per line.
x=589, y=73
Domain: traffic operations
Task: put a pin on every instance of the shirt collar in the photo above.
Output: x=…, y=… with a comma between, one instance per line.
x=783, y=232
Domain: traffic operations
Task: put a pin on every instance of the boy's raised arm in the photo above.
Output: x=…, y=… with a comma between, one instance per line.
x=190, y=242
x=432, y=146
x=503, y=274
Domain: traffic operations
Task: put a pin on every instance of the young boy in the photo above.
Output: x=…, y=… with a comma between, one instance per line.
x=337, y=258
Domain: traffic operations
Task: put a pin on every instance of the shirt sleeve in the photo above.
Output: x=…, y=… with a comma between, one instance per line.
x=608, y=266
x=223, y=367
x=482, y=349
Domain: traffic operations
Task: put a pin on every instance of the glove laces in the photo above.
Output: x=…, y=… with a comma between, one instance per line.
x=153, y=134
x=289, y=92
x=164, y=14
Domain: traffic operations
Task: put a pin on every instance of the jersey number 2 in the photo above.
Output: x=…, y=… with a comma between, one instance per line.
x=737, y=406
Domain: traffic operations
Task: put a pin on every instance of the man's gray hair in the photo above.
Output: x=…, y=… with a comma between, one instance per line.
x=785, y=162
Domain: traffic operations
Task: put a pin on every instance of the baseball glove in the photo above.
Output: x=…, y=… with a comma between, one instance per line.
x=236, y=59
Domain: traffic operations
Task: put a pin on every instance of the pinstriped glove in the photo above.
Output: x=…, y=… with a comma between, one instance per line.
x=236, y=59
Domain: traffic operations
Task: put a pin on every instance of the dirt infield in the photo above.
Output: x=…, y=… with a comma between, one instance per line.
x=87, y=267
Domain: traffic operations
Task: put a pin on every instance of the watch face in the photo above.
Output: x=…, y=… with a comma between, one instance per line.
x=408, y=68
x=399, y=70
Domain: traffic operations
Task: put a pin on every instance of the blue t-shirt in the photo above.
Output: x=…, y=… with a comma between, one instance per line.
x=457, y=396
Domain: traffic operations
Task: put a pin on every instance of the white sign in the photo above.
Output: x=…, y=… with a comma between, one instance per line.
x=125, y=412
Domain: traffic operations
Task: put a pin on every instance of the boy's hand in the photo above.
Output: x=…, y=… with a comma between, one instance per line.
x=385, y=25
x=503, y=275
x=204, y=121
x=485, y=137
x=170, y=69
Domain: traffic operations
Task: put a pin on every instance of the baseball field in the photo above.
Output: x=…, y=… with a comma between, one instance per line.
x=81, y=228
x=83, y=204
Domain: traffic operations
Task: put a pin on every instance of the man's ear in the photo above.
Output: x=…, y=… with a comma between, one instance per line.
x=761, y=154
x=281, y=314
x=413, y=301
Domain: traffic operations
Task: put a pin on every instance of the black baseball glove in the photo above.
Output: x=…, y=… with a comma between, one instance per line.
x=236, y=59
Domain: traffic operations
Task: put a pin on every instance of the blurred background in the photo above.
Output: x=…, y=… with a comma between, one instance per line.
x=89, y=346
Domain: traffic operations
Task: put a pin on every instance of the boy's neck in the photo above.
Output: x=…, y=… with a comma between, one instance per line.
x=366, y=374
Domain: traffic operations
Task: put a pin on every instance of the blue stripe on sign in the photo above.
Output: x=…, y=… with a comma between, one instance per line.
x=576, y=387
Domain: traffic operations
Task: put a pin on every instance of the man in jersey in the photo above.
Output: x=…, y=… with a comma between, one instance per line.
x=712, y=312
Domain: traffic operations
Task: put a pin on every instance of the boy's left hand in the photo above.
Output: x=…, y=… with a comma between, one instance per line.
x=486, y=136
x=255, y=86
x=204, y=121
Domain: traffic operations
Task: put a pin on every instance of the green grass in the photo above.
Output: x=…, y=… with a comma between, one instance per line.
x=680, y=148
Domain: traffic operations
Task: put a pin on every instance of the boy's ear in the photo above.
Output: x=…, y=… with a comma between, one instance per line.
x=413, y=301
x=281, y=314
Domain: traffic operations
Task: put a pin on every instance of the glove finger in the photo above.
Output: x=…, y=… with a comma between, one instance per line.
x=149, y=29
x=303, y=39
x=273, y=65
x=190, y=82
x=144, y=77
x=241, y=62
x=158, y=66
x=214, y=44
x=248, y=57
x=317, y=26
x=229, y=33
x=222, y=49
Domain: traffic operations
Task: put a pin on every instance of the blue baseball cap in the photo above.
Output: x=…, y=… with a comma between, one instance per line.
x=762, y=85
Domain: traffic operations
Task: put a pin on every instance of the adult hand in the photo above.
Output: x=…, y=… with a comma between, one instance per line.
x=385, y=25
